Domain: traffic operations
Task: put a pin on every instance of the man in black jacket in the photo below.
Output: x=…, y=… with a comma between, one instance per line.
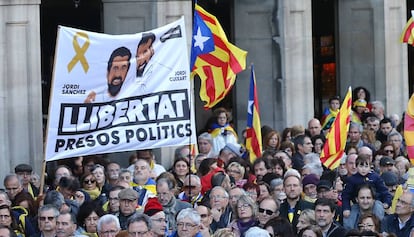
x=294, y=205
x=324, y=216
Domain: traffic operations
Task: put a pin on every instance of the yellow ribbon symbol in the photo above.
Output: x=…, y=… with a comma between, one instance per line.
x=80, y=52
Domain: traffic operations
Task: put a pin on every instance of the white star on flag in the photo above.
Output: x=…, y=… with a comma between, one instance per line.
x=200, y=39
x=250, y=110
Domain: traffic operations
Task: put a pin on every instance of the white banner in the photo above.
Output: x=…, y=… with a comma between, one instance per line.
x=114, y=93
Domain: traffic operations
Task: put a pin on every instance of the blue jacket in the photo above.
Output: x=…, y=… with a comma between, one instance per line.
x=352, y=221
x=373, y=179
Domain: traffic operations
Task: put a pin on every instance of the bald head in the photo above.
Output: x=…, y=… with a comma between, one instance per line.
x=314, y=127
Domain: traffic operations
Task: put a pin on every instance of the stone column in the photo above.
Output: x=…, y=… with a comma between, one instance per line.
x=21, y=139
x=297, y=61
x=370, y=53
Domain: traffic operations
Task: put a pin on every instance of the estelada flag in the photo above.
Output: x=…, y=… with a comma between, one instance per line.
x=334, y=147
x=409, y=129
x=215, y=60
x=253, y=132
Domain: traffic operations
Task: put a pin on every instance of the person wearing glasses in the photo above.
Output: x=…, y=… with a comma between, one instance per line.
x=245, y=216
x=108, y=226
x=268, y=209
x=88, y=216
x=401, y=222
x=88, y=183
x=220, y=208
x=188, y=224
x=154, y=210
x=369, y=222
x=46, y=220
x=206, y=219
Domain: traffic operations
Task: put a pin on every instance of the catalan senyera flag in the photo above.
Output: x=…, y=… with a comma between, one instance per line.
x=407, y=36
x=253, y=132
x=409, y=129
x=334, y=147
x=215, y=60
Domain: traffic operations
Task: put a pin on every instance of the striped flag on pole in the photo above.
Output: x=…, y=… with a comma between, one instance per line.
x=407, y=36
x=336, y=139
x=253, y=133
x=409, y=129
x=215, y=60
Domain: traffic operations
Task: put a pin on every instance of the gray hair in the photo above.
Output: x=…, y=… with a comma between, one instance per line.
x=10, y=177
x=107, y=219
x=275, y=182
x=140, y=217
x=198, y=180
x=357, y=126
x=292, y=172
x=256, y=232
x=378, y=103
x=226, y=194
x=312, y=158
x=147, y=164
x=245, y=199
x=169, y=183
x=55, y=198
x=394, y=133
x=49, y=207
x=206, y=136
x=314, y=168
x=191, y=214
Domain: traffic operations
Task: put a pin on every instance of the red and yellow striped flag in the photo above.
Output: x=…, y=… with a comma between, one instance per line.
x=336, y=138
x=407, y=36
x=409, y=129
x=215, y=60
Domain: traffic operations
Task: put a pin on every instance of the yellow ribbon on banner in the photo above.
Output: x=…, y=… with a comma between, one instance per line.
x=80, y=52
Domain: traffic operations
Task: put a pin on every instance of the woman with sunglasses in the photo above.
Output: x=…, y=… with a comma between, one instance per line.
x=245, y=216
x=89, y=185
x=388, y=149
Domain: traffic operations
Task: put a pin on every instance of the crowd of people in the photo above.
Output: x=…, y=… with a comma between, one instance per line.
x=287, y=192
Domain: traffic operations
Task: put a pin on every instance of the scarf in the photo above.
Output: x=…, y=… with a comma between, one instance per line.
x=170, y=214
x=222, y=130
x=94, y=193
x=244, y=226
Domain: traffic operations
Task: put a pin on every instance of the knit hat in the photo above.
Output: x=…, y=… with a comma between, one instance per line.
x=23, y=168
x=310, y=179
x=152, y=207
